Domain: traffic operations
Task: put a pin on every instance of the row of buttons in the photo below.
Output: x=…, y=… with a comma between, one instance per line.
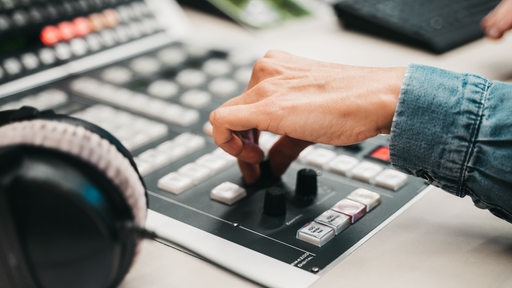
x=188, y=78
x=13, y=66
x=30, y=61
x=196, y=172
x=37, y=13
x=43, y=100
x=137, y=102
x=132, y=130
x=344, y=213
x=168, y=152
x=326, y=159
x=84, y=25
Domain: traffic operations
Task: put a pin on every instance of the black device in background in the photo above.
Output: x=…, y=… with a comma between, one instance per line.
x=436, y=25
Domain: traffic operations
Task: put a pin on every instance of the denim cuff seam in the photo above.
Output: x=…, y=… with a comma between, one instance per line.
x=475, y=127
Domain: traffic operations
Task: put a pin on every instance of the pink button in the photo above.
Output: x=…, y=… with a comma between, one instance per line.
x=350, y=208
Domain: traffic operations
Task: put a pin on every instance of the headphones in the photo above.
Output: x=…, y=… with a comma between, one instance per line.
x=71, y=202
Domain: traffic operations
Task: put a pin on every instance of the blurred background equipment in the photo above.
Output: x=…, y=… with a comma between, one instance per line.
x=253, y=13
x=435, y=25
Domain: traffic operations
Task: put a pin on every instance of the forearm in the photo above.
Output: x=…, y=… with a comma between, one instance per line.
x=456, y=130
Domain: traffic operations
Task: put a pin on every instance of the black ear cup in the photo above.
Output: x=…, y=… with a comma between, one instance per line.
x=70, y=188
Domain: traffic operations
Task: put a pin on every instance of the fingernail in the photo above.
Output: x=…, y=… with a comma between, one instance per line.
x=493, y=32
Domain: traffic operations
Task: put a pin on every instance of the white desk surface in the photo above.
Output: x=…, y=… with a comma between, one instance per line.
x=440, y=241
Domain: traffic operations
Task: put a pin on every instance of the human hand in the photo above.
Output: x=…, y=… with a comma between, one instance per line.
x=305, y=101
x=499, y=20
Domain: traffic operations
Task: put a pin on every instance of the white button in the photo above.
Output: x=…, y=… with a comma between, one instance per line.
x=137, y=102
x=163, y=88
x=122, y=33
x=62, y=51
x=335, y=220
x=175, y=183
x=172, y=151
x=125, y=13
x=230, y=159
x=217, y=67
x=350, y=208
x=30, y=61
x=78, y=46
x=52, y=98
x=93, y=42
x=154, y=157
x=172, y=57
x=303, y=156
x=365, y=171
x=191, y=77
x=368, y=198
x=243, y=75
x=342, y=164
x=320, y=157
x=195, y=172
x=145, y=65
x=47, y=56
x=134, y=29
x=12, y=66
x=223, y=87
x=139, y=132
x=192, y=142
x=181, y=116
x=315, y=233
x=241, y=58
x=196, y=98
x=391, y=179
x=117, y=75
x=228, y=193
x=196, y=51
x=108, y=37
x=4, y=23
x=213, y=162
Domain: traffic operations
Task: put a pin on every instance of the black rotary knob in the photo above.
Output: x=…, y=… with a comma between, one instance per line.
x=275, y=202
x=306, y=187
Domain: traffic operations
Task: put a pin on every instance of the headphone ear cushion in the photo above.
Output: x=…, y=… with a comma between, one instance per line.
x=95, y=147
x=87, y=146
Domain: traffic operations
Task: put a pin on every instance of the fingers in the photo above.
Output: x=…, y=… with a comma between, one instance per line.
x=499, y=20
x=284, y=152
x=226, y=121
x=250, y=170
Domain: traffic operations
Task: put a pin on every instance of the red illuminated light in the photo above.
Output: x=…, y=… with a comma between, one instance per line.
x=50, y=35
x=81, y=26
x=381, y=153
x=67, y=31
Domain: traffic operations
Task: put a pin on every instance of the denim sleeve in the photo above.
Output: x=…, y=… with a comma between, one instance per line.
x=455, y=130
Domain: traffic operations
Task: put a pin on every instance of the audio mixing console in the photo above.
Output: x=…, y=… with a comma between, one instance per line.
x=156, y=98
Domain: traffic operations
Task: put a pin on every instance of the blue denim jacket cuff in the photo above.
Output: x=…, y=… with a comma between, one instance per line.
x=435, y=124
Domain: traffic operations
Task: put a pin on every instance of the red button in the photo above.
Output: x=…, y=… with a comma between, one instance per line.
x=67, y=31
x=381, y=153
x=50, y=35
x=82, y=26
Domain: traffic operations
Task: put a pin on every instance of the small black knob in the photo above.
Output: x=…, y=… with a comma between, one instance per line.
x=275, y=202
x=306, y=185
